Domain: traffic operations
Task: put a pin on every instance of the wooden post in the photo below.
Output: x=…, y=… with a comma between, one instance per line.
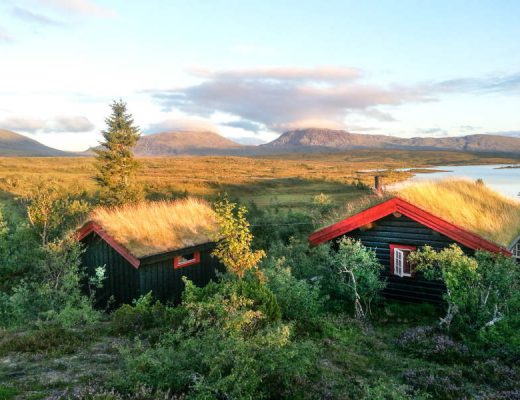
x=378, y=185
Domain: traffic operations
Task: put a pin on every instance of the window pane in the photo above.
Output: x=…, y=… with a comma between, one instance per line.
x=407, y=270
x=186, y=258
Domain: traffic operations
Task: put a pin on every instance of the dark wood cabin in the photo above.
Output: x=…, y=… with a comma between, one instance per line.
x=393, y=229
x=128, y=277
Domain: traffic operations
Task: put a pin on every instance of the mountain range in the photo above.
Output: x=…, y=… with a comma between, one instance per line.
x=311, y=140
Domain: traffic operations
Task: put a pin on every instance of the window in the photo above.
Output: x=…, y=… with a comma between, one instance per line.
x=399, y=264
x=186, y=259
x=516, y=250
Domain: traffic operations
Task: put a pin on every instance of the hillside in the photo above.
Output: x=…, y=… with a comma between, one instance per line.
x=13, y=144
x=186, y=143
x=313, y=140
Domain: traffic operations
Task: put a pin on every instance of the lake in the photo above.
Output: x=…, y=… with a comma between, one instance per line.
x=504, y=180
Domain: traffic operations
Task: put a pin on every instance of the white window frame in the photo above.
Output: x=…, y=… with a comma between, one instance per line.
x=516, y=250
x=399, y=257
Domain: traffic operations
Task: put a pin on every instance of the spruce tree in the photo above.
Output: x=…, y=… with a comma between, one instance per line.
x=116, y=164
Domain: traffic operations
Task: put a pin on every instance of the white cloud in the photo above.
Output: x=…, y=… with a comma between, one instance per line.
x=60, y=124
x=278, y=98
x=182, y=124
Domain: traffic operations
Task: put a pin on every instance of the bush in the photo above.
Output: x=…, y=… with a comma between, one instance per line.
x=52, y=293
x=226, y=347
x=480, y=291
x=146, y=318
x=49, y=339
x=300, y=301
x=354, y=277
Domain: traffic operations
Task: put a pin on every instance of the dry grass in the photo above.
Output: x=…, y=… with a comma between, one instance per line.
x=154, y=227
x=470, y=205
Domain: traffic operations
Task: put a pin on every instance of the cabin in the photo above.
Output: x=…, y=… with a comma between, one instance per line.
x=150, y=247
x=437, y=214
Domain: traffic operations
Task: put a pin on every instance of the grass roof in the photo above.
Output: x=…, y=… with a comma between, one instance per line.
x=471, y=205
x=149, y=228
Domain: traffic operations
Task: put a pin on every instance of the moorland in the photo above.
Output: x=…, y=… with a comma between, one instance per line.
x=303, y=341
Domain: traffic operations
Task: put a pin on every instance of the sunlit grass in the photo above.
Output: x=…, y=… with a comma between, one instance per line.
x=470, y=205
x=155, y=227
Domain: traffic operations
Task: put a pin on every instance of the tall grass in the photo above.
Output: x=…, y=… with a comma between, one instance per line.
x=470, y=205
x=154, y=227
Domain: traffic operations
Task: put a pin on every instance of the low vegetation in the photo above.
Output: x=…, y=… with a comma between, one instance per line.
x=287, y=321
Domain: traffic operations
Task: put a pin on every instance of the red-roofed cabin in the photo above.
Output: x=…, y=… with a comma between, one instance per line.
x=393, y=229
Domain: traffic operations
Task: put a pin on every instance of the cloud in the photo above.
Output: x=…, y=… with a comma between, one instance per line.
x=433, y=132
x=5, y=37
x=72, y=124
x=281, y=97
x=497, y=83
x=30, y=16
x=80, y=7
x=182, y=124
x=245, y=125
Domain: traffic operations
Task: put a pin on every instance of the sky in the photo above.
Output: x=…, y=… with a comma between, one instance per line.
x=251, y=70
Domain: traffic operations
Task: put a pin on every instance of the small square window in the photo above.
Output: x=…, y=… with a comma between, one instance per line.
x=186, y=259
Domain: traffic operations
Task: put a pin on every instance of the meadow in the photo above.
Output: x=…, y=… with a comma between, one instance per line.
x=281, y=181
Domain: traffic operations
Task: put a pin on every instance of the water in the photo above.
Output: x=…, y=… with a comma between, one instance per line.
x=503, y=180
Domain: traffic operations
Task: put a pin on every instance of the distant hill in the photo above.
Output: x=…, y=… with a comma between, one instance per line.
x=184, y=142
x=313, y=140
x=13, y=144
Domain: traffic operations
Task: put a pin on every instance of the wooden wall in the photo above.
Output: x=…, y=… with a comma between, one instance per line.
x=156, y=273
x=122, y=279
x=403, y=230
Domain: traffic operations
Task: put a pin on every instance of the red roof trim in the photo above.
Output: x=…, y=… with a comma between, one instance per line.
x=397, y=204
x=91, y=226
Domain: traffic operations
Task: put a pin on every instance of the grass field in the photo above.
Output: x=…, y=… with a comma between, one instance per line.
x=285, y=181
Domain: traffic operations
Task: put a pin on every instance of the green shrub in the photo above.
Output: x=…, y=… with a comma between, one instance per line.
x=7, y=393
x=300, y=301
x=146, y=318
x=354, y=277
x=49, y=339
x=480, y=291
x=230, y=345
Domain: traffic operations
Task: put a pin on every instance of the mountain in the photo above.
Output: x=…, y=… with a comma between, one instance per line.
x=14, y=144
x=185, y=143
x=314, y=140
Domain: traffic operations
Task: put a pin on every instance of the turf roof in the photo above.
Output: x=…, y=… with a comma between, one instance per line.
x=149, y=228
x=470, y=205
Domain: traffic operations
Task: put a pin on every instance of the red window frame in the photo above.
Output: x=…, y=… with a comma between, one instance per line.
x=401, y=247
x=178, y=264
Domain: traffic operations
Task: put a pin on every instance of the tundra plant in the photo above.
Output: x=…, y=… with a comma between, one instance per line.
x=356, y=275
x=479, y=289
x=235, y=239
